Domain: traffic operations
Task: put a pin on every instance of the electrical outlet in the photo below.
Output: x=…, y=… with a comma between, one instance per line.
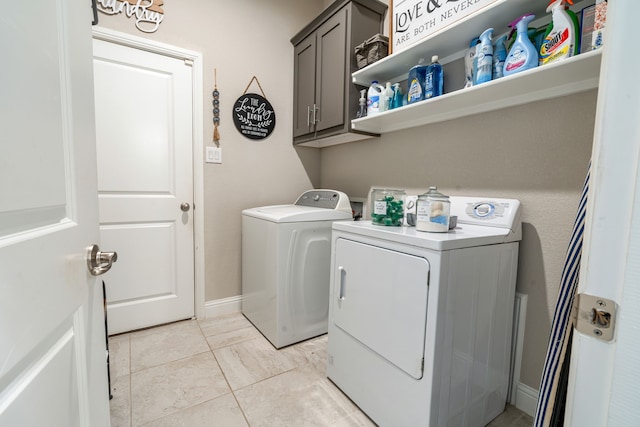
x=213, y=155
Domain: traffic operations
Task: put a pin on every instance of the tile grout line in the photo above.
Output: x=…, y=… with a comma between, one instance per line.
x=224, y=375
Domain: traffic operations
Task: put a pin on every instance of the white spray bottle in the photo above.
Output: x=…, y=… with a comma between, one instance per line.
x=560, y=41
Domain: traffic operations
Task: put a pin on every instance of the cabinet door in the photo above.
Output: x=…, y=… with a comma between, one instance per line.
x=331, y=67
x=304, y=76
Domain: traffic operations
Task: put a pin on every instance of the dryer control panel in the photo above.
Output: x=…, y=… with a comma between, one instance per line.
x=327, y=199
x=489, y=212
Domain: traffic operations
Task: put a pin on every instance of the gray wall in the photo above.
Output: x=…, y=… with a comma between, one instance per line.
x=240, y=38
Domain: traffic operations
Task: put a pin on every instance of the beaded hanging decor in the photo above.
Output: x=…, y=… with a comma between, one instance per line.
x=216, y=108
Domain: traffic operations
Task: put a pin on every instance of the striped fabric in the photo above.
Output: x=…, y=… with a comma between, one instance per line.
x=549, y=400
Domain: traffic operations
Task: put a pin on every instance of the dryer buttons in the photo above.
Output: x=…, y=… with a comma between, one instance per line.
x=485, y=210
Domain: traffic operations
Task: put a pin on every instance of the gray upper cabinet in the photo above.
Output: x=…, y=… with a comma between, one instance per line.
x=325, y=100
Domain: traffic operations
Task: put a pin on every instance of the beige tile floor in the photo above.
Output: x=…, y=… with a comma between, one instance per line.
x=222, y=372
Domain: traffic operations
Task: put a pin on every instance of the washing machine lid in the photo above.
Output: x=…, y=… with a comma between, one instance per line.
x=481, y=221
x=312, y=205
x=295, y=213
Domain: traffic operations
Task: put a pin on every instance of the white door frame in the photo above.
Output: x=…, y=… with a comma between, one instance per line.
x=195, y=58
x=604, y=375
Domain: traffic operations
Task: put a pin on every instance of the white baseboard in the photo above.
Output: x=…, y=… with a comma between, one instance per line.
x=526, y=399
x=222, y=306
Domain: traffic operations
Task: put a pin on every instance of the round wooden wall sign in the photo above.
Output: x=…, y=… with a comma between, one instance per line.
x=254, y=116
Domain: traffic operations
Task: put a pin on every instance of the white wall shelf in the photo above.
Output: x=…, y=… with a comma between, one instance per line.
x=573, y=75
x=451, y=41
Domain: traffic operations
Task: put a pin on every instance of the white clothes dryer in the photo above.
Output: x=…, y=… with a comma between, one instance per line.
x=420, y=324
x=286, y=264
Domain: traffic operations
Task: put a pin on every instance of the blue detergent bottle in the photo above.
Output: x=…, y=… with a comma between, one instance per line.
x=415, y=83
x=485, y=57
x=433, y=79
x=522, y=55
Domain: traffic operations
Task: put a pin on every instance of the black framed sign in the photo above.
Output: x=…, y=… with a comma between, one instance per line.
x=254, y=116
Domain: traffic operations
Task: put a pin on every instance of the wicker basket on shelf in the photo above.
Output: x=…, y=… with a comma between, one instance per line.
x=372, y=50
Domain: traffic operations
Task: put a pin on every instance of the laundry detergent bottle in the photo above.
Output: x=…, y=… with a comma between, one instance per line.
x=560, y=39
x=523, y=54
x=485, y=57
x=373, y=98
x=415, y=82
x=433, y=79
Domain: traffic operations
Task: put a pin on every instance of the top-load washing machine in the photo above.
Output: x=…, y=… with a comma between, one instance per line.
x=420, y=324
x=286, y=264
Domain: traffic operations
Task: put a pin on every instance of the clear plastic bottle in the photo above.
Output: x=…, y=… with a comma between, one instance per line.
x=434, y=79
x=387, y=98
x=397, y=96
x=362, y=108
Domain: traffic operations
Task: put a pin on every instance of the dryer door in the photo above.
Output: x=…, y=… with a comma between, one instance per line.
x=381, y=300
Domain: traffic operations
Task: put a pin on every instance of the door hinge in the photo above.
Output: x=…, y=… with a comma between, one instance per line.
x=594, y=316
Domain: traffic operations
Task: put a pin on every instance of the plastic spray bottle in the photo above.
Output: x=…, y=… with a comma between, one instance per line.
x=485, y=57
x=433, y=79
x=522, y=55
x=362, y=108
x=475, y=62
x=373, y=98
x=468, y=63
x=397, y=96
x=387, y=98
x=499, y=56
x=415, y=83
x=560, y=40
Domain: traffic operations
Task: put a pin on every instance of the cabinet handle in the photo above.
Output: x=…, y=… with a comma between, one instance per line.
x=308, y=115
x=315, y=117
x=343, y=273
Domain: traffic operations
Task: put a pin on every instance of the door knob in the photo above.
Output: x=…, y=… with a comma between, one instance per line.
x=99, y=262
x=184, y=207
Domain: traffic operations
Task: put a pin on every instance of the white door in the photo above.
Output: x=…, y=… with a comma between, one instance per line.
x=604, y=376
x=145, y=183
x=52, y=338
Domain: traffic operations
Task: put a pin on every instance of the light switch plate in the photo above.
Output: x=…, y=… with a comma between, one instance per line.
x=213, y=155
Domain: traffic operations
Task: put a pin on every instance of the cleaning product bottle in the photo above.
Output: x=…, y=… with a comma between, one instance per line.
x=362, y=108
x=522, y=55
x=560, y=41
x=415, y=83
x=433, y=79
x=485, y=57
x=397, y=96
x=468, y=63
x=373, y=98
x=499, y=55
x=387, y=98
x=475, y=62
